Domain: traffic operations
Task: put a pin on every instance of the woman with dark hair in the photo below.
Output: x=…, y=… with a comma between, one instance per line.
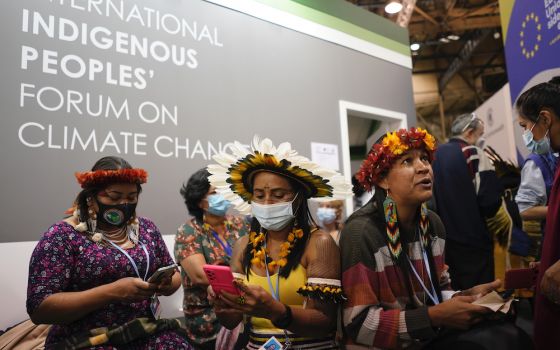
x=287, y=269
x=207, y=238
x=539, y=115
x=537, y=177
x=393, y=269
x=88, y=275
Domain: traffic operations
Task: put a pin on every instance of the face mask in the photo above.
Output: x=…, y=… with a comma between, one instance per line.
x=116, y=214
x=326, y=215
x=218, y=205
x=481, y=142
x=273, y=217
x=541, y=146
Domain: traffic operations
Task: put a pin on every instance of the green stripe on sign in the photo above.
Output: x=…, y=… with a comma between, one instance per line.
x=342, y=25
x=360, y=17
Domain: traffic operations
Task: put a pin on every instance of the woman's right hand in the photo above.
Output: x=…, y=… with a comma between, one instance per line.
x=457, y=312
x=220, y=307
x=132, y=289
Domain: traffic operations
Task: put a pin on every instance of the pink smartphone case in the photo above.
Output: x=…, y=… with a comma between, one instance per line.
x=220, y=278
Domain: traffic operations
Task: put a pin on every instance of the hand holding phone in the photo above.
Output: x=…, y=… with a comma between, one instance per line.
x=162, y=273
x=220, y=278
x=521, y=278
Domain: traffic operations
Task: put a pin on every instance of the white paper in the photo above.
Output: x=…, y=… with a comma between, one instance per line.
x=494, y=302
x=325, y=154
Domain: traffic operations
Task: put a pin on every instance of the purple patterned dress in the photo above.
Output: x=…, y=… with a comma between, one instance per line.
x=65, y=260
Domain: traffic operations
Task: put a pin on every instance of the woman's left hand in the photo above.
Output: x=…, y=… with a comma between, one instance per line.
x=253, y=301
x=482, y=289
x=165, y=286
x=550, y=283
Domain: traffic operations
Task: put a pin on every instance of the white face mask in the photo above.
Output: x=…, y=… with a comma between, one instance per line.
x=326, y=216
x=273, y=217
x=481, y=142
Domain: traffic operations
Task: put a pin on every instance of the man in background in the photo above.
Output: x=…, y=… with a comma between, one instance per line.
x=466, y=192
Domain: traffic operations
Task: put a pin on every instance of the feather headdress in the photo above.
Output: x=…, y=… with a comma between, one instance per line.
x=233, y=174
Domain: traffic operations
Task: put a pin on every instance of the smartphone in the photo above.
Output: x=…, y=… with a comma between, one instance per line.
x=220, y=278
x=162, y=273
x=521, y=278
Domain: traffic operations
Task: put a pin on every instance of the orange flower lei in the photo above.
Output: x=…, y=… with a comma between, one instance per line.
x=382, y=155
x=262, y=254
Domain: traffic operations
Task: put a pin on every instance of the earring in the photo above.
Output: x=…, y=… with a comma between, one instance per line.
x=82, y=225
x=392, y=226
x=424, y=222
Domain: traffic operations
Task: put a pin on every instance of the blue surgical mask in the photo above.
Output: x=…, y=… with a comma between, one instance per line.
x=274, y=217
x=218, y=205
x=326, y=215
x=541, y=146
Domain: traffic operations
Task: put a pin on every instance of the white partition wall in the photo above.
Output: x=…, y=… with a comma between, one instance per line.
x=500, y=124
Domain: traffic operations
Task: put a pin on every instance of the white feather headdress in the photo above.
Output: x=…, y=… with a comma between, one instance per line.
x=232, y=175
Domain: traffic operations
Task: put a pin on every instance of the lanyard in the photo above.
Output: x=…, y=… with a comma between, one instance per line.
x=226, y=247
x=433, y=295
x=132, y=260
x=275, y=293
x=276, y=296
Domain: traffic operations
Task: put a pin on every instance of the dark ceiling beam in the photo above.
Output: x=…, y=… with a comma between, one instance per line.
x=462, y=57
x=461, y=25
x=442, y=56
x=426, y=15
x=472, y=85
x=442, y=70
x=487, y=64
x=444, y=7
x=482, y=10
x=461, y=12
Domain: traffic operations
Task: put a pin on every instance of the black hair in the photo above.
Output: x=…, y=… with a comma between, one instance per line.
x=357, y=187
x=303, y=221
x=105, y=163
x=544, y=95
x=194, y=191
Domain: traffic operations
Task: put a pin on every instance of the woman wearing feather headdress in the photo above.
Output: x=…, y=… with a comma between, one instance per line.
x=288, y=271
x=393, y=271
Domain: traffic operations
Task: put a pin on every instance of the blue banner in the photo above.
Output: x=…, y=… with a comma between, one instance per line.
x=532, y=43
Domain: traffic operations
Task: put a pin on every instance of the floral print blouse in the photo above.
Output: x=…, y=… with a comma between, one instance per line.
x=192, y=238
x=65, y=260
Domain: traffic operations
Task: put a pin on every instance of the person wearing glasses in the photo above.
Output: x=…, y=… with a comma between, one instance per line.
x=466, y=192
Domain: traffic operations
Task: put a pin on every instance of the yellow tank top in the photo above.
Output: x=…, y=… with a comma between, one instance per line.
x=288, y=291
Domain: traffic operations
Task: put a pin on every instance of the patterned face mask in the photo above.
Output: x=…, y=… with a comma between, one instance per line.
x=116, y=215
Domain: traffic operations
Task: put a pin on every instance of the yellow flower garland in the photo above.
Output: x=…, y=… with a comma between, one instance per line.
x=260, y=253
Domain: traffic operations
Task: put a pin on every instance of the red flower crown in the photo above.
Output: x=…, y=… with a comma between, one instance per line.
x=93, y=178
x=382, y=155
